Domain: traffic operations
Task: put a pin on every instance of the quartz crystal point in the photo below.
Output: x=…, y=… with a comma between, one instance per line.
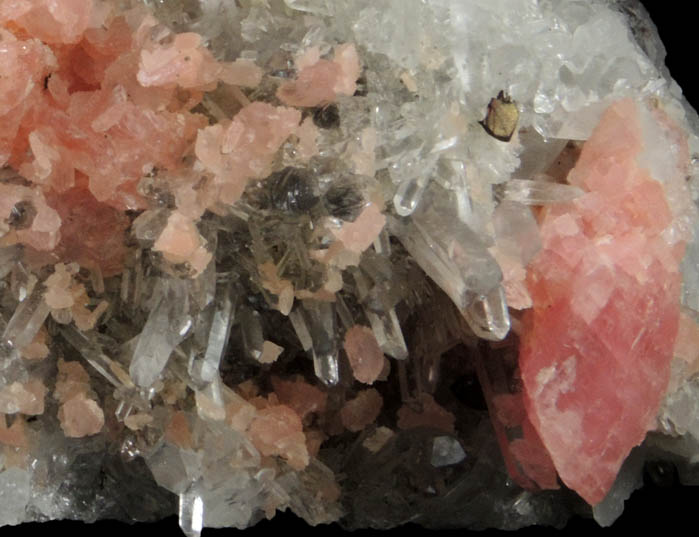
x=539, y=192
x=372, y=262
x=27, y=319
x=320, y=318
x=452, y=254
x=167, y=325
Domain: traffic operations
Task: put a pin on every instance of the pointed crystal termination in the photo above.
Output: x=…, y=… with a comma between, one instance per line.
x=241, y=436
x=488, y=316
x=388, y=333
x=167, y=326
x=210, y=333
x=530, y=192
x=210, y=404
x=92, y=353
x=253, y=336
x=316, y=7
x=218, y=338
x=27, y=319
x=450, y=253
x=301, y=328
x=320, y=320
x=409, y=194
x=191, y=513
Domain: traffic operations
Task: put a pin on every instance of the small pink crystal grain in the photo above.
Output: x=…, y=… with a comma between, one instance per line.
x=361, y=411
x=187, y=63
x=79, y=414
x=319, y=81
x=425, y=412
x=23, y=397
x=302, y=397
x=598, y=342
x=180, y=242
x=365, y=355
x=277, y=430
x=244, y=149
x=357, y=236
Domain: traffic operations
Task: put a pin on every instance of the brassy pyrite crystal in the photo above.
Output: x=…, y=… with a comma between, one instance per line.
x=372, y=261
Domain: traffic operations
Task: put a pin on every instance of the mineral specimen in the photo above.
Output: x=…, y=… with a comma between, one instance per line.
x=259, y=256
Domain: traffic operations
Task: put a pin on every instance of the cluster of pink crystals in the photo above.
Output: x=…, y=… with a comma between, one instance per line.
x=79, y=413
x=80, y=127
x=92, y=100
x=598, y=342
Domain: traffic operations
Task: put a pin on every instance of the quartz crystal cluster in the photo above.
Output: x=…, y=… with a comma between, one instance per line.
x=370, y=261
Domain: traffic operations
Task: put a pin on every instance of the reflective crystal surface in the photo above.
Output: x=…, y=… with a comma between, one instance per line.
x=369, y=262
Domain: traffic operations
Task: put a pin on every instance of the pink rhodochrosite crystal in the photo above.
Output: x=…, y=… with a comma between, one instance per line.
x=277, y=430
x=51, y=21
x=320, y=81
x=364, y=354
x=245, y=148
x=598, y=343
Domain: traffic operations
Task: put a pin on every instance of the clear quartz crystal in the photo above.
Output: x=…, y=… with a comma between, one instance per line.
x=253, y=336
x=301, y=328
x=211, y=332
x=409, y=194
x=488, y=316
x=210, y=404
x=186, y=356
x=449, y=253
x=191, y=513
x=167, y=325
x=93, y=354
x=531, y=192
x=218, y=338
x=168, y=467
x=15, y=494
x=320, y=319
x=148, y=226
x=27, y=319
x=316, y=7
x=516, y=231
x=388, y=333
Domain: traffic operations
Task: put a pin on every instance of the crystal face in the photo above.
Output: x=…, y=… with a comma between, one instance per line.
x=370, y=262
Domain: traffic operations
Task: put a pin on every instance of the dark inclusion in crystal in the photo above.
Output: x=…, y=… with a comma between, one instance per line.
x=292, y=190
x=327, y=117
x=22, y=215
x=343, y=200
x=362, y=90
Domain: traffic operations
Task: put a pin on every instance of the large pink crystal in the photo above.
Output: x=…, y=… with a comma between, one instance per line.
x=597, y=344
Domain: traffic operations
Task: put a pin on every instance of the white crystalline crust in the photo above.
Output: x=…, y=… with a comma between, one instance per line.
x=455, y=200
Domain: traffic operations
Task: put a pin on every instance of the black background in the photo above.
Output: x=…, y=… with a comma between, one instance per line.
x=651, y=509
